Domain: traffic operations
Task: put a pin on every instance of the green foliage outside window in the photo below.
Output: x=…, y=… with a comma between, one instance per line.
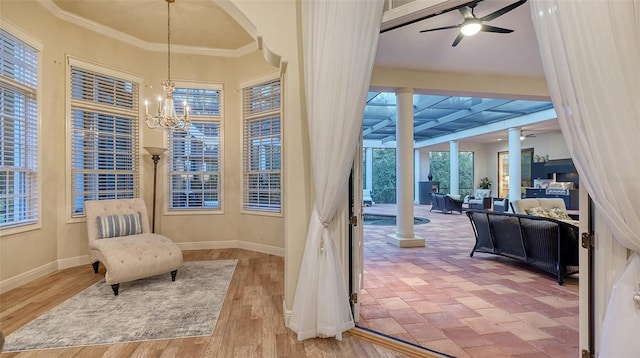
x=439, y=166
x=384, y=176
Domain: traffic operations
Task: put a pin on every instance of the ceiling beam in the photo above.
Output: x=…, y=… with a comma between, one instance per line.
x=378, y=126
x=503, y=125
x=457, y=115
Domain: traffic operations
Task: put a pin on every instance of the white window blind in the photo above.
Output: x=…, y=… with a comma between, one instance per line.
x=195, y=155
x=262, y=147
x=104, y=138
x=18, y=132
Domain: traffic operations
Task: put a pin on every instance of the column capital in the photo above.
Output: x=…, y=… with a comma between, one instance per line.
x=404, y=90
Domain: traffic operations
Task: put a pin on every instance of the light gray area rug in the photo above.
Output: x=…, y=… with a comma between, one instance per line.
x=146, y=309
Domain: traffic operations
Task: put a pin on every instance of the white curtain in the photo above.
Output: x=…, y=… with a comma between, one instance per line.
x=339, y=43
x=591, y=52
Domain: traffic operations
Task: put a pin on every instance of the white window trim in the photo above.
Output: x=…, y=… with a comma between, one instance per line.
x=165, y=176
x=33, y=42
x=242, y=85
x=72, y=61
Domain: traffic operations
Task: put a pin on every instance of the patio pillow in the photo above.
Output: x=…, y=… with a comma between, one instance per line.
x=538, y=211
x=454, y=196
x=558, y=213
x=119, y=225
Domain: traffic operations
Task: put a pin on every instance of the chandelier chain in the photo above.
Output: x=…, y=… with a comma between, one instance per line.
x=166, y=115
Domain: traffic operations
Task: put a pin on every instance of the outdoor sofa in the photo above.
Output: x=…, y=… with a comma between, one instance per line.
x=548, y=244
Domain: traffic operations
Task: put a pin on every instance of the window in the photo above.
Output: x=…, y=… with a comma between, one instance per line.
x=195, y=155
x=262, y=148
x=18, y=132
x=526, y=161
x=104, y=135
x=439, y=167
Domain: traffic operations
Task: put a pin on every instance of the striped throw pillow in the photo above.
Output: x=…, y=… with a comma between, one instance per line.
x=119, y=225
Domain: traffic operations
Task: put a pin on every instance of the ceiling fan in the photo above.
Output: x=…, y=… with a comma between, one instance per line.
x=524, y=136
x=472, y=24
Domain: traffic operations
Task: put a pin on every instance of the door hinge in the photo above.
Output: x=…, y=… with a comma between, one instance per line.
x=588, y=241
x=586, y=354
x=354, y=297
x=354, y=220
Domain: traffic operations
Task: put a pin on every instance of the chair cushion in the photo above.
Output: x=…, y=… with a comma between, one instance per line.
x=482, y=193
x=133, y=257
x=558, y=213
x=119, y=225
x=538, y=211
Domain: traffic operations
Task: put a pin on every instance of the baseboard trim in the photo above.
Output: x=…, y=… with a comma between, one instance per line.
x=395, y=344
x=73, y=262
x=286, y=314
x=26, y=277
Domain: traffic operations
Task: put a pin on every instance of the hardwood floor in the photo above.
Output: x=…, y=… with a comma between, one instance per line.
x=250, y=323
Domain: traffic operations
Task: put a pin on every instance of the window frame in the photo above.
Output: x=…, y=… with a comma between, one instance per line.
x=243, y=85
x=38, y=47
x=167, y=178
x=104, y=70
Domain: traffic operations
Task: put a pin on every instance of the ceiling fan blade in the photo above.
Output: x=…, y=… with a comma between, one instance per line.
x=487, y=28
x=457, y=40
x=465, y=11
x=502, y=11
x=442, y=28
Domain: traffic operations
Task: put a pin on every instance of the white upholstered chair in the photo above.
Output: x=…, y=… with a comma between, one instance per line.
x=481, y=199
x=119, y=237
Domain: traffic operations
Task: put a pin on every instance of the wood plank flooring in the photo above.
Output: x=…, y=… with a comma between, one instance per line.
x=250, y=323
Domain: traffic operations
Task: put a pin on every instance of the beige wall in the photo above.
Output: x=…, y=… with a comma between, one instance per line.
x=277, y=22
x=446, y=83
x=61, y=242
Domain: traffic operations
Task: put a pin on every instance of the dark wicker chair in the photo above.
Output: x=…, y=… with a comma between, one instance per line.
x=548, y=244
x=445, y=203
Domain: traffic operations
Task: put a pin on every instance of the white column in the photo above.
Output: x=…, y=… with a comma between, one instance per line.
x=368, y=169
x=404, y=236
x=515, y=165
x=454, y=167
x=416, y=176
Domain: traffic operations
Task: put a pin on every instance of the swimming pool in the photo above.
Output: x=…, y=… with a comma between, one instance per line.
x=388, y=220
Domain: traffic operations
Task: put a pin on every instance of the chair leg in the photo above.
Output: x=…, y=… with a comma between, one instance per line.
x=115, y=287
x=96, y=266
x=173, y=275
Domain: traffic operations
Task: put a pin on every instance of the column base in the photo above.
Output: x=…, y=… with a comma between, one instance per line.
x=415, y=241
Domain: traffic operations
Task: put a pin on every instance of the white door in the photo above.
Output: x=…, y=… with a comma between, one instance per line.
x=357, y=234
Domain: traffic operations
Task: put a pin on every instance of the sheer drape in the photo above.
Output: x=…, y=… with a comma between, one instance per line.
x=591, y=52
x=339, y=44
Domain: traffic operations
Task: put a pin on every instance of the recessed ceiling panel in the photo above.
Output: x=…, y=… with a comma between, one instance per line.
x=198, y=23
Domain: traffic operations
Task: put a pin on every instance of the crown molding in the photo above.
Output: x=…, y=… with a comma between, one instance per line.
x=134, y=41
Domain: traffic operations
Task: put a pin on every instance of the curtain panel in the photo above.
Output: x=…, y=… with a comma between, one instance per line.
x=590, y=51
x=339, y=43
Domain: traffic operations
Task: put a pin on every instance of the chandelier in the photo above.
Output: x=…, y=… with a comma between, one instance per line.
x=166, y=116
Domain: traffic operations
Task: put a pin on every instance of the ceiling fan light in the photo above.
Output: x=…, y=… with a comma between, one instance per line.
x=471, y=28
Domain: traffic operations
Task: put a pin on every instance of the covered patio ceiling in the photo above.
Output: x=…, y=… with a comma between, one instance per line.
x=444, y=116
